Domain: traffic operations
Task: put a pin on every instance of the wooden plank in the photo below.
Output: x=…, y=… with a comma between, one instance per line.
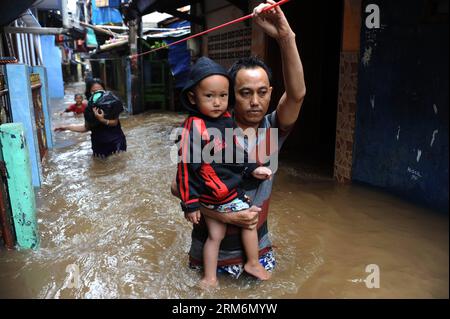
x=45, y=103
x=6, y=225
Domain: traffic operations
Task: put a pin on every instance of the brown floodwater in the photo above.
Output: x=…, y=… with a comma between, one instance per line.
x=117, y=223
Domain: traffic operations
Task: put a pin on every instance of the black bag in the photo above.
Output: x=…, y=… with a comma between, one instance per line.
x=107, y=102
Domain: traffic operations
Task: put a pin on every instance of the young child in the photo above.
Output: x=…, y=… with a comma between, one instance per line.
x=214, y=185
x=77, y=108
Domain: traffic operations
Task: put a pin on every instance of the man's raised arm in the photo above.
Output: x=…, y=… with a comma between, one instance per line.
x=275, y=24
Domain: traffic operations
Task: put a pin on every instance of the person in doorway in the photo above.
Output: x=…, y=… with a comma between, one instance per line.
x=102, y=119
x=252, y=87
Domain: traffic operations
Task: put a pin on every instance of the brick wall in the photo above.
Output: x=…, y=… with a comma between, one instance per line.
x=345, y=129
x=348, y=90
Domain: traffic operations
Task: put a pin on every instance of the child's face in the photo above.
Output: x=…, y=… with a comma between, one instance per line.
x=78, y=99
x=211, y=96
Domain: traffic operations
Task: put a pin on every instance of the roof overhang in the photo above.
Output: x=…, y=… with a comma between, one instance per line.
x=49, y=4
x=138, y=8
x=11, y=10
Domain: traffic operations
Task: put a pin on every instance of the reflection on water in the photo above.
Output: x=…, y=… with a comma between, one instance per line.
x=116, y=220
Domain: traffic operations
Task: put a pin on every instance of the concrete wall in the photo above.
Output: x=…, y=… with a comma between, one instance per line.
x=23, y=112
x=401, y=137
x=51, y=55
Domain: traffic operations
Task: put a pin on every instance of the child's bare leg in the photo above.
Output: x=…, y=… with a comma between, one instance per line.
x=216, y=232
x=252, y=266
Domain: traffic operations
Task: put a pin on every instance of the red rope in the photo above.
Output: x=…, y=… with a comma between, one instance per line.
x=249, y=16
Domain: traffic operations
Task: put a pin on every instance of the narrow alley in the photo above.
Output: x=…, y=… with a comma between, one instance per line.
x=116, y=222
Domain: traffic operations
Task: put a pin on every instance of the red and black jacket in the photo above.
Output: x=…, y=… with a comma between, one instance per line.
x=216, y=182
x=211, y=182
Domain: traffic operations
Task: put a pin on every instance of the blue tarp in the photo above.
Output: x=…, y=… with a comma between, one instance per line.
x=106, y=15
x=179, y=57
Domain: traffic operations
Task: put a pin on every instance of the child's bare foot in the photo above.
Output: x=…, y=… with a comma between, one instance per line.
x=257, y=270
x=207, y=284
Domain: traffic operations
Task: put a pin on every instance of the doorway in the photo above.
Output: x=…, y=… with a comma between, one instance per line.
x=318, y=28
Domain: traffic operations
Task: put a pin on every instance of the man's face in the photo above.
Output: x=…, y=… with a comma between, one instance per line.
x=253, y=91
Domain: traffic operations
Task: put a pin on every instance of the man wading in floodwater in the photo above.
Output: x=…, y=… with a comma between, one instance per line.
x=252, y=93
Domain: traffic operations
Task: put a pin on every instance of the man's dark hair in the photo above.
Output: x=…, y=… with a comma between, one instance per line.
x=77, y=95
x=251, y=62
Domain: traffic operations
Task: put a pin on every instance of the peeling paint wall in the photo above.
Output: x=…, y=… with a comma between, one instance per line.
x=401, y=137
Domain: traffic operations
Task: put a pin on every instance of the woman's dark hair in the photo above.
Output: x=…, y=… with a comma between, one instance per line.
x=90, y=83
x=251, y=62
